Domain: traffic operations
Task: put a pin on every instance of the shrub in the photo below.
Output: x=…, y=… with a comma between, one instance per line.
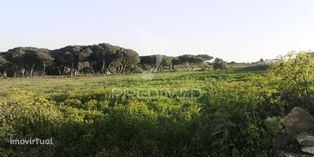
x=292, y=79
x=27, y=115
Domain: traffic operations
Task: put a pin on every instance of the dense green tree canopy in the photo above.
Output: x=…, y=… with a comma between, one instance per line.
x=26, y=59
x=102, y=58
x=3, y=61
x=219, y=64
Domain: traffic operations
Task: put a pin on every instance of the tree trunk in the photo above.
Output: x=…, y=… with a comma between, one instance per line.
x=5, y=74
x=121, y=69
x=60, y=74
x=32, y=70
x=110, y=67
x=103, y=66
x=72, y=69
x=44, y=70
x=124, y=67
x=23, y=72
x=76, y=72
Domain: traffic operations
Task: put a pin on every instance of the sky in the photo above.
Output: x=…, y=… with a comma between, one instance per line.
x=235, y=30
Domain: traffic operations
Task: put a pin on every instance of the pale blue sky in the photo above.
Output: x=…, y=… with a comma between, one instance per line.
x=240, y=30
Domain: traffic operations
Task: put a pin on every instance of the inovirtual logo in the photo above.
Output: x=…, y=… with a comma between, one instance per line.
x=31, y=141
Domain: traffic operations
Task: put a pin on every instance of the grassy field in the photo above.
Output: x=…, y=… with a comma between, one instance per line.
x=192, y=113
x=198, y=80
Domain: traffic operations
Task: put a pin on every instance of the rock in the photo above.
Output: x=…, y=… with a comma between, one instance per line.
x=286, y=154
x=305, y=139
x=309, y=150
x=298, y=120
x=298, y=133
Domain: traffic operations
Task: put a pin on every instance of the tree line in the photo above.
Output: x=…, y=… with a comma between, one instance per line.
x=103, y=58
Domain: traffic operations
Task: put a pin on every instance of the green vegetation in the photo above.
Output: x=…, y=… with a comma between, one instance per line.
x=92, y=59
x=219, y=64
x=194, y=113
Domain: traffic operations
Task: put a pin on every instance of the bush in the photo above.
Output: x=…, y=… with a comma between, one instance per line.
x=220, y=64
x=292, y=79
x=27, y=115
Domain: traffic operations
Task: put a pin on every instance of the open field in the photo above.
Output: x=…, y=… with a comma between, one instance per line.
x=169, y=81
x=132, y=115
x=191, y=113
